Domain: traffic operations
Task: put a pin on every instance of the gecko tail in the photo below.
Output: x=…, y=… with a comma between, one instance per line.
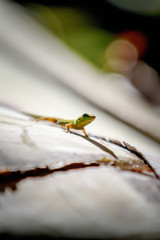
x=32, y=115
x=40, y=118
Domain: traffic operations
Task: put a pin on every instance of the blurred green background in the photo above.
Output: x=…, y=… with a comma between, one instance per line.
x=89, y=26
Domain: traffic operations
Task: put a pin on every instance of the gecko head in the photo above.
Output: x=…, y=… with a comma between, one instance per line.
x=86, y=118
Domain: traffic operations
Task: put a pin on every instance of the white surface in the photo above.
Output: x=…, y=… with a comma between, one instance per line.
x=94, y=202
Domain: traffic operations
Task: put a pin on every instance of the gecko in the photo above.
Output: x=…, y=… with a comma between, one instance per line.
x=78, y=123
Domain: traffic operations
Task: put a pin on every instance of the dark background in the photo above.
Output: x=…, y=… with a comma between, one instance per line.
x=116, y=20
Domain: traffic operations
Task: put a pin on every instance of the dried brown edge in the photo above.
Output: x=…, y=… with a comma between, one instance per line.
x=133, y=150
x=10, y=179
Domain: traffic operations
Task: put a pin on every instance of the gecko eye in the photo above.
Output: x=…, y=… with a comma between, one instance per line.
x=85, y=115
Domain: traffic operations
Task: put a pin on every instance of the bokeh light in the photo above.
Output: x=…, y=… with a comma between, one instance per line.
x=121, y=56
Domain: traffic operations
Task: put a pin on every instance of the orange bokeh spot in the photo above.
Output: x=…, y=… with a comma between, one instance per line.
x=137, y=38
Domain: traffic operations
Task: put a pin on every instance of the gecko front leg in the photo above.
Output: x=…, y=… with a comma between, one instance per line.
x=71, y=125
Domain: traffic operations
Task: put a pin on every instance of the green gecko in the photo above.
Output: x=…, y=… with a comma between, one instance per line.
x=78, y=123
